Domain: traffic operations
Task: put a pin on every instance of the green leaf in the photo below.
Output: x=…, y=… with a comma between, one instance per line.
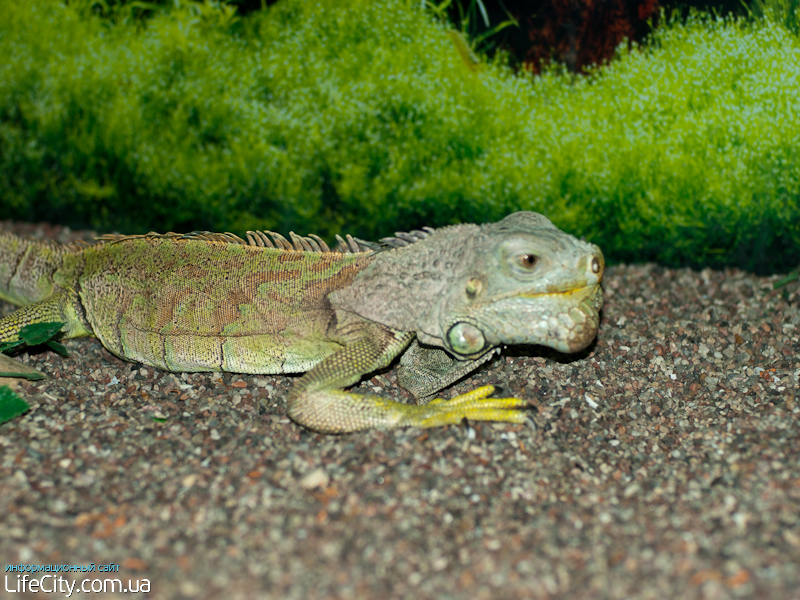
x=11, y=405
x=22, y=375
x=786, y=280
x=58, y=347
x=13, y=368
x=35, y=334
x=6, y=346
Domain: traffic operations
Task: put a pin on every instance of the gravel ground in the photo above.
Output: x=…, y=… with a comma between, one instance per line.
x=664, y=465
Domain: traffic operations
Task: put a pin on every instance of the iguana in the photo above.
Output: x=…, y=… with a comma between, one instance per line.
x=444, y=300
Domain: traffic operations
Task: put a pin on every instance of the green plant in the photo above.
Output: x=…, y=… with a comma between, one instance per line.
x=472, y=32
x=38, y=334
x=214, y=12
x=11, y=405
x=360, y=117
x=784, y=281
x=785, y=12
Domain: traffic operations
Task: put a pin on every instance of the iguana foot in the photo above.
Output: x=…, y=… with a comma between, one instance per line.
x=476, y=405
x=337, y=411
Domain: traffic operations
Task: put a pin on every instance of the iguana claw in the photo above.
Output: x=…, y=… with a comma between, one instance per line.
x=477, y=405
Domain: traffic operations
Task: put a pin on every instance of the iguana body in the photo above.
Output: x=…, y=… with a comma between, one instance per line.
x=443, y=299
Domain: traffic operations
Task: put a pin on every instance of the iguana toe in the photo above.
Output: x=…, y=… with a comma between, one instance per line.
x=478, y=405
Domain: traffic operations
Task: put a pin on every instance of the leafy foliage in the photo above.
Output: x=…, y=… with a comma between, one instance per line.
x=785, y=12
x=362, y=117
x=11, y=405
x=37, y=334
x=784, y=281
x=473, y=27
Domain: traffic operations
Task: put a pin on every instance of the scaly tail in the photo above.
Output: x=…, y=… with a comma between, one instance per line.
x=27, y=271
x=27, y=268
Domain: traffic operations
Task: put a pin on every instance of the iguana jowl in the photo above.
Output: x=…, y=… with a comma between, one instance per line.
x=443, y=300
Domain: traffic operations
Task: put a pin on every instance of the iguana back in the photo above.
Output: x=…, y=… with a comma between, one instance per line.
x=212, y=303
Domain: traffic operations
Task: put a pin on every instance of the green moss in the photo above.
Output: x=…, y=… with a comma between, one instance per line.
x=362, y=117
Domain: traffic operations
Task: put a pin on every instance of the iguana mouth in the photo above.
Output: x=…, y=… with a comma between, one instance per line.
x=566, y=321
x=562, y=294
x=573, y=325
x=561, y=291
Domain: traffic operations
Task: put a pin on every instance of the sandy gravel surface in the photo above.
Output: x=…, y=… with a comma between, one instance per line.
x=665, y=465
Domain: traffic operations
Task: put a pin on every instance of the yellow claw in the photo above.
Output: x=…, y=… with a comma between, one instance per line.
x=474, y=406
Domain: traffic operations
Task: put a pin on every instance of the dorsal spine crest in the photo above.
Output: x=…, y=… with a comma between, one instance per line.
x=258, y=239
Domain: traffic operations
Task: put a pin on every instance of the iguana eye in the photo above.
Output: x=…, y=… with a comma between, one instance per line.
x=528, y=261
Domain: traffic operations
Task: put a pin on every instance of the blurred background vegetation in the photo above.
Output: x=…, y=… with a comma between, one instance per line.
x=660, y=131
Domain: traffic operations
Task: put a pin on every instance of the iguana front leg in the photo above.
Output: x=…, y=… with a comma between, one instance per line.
x=318, y=401
x=424, y=370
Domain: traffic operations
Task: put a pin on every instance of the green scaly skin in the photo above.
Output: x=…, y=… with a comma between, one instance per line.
x=443, y=300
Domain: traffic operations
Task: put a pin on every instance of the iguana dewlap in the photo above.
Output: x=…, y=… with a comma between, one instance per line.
x=443, y=300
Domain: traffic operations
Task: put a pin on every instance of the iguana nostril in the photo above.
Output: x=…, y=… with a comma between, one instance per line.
x=474, y=287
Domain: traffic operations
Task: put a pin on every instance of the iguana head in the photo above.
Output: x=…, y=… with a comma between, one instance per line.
x=469, y=288
x=529, y=283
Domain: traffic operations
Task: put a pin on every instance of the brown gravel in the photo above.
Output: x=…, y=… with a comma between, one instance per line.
x=665, y=465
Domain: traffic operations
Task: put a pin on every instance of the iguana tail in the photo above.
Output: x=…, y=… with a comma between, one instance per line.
x=27, y=268
x=41, y=277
